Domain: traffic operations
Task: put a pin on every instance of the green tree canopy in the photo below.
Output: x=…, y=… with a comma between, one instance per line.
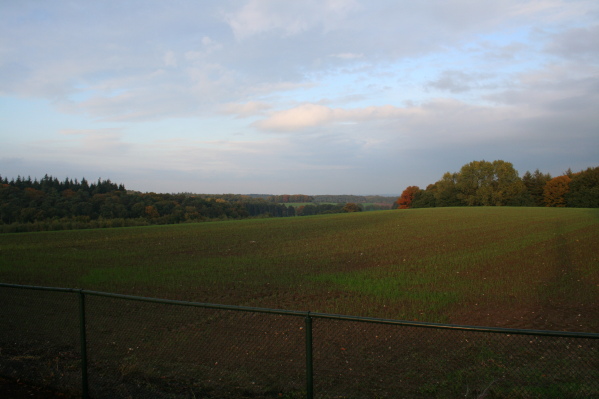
x=584, y=189
x=446, y=191
x=482, y=183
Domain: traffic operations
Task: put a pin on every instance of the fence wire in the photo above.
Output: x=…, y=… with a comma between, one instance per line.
x=39, y=338
x=371, y=360
x=161, y=349
x=139, y=349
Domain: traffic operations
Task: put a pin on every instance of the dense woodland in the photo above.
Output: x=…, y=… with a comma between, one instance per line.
x=497, y=183
x=51, y=204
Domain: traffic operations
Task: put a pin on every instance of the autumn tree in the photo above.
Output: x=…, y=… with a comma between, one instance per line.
x=406, y=198
x=555, y=191
x=151, y=212
x=351, y=207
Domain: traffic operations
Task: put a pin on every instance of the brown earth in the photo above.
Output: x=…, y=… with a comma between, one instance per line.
x=11, y=389
x=582, y=318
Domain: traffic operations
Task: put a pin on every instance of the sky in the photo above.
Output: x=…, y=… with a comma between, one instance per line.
x=287, y=97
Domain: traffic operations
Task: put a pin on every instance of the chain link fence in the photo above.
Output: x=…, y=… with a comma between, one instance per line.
x=101, y=345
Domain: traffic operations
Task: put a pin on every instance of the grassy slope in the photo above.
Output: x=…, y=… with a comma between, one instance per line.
x=519, y=267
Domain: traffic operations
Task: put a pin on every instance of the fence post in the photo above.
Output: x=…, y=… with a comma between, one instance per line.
x=83, y=342
x=309, y=363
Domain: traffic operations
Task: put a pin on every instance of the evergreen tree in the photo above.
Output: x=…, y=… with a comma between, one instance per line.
x=535, y=184
x=584, y=189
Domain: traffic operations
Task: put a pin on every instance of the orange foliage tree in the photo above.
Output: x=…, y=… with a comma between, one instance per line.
x=152, y=212
x=351, y=207
x=406, y=198
x=555, y=191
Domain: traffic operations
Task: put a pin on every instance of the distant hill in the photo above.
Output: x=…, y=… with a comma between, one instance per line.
x=328, y=198
x=358, y=199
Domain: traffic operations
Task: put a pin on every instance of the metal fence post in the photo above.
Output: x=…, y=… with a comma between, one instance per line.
x=309, y=363
x=83, y=339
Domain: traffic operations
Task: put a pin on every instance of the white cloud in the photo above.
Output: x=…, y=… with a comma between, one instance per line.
x=315, y=115
x=307, y=115
x=347, y=56
x=90, y=142
x=210, y=45
x=192, y=55
x=291, y=18
x=245, y=110
x=170, y=60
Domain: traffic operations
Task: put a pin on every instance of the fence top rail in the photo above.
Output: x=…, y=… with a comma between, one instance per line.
x=35, y=287
x=404, y=323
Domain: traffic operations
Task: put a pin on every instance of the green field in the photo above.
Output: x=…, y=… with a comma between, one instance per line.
x=511, y=267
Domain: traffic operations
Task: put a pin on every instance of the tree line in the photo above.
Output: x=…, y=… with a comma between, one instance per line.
x=53, y=204
x=497, y=183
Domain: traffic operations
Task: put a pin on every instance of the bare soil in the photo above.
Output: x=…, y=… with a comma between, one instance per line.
x=16, y=389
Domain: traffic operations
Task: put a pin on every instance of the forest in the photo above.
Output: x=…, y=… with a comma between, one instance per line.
x=51, y=204
x=497, y=183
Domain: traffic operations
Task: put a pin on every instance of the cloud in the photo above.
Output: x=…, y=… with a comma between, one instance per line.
x=347, y=56
x=542, y=90
x=445, y=122
x=307, y=115
x=260, y=16
x=192, y=59
x=578, y=43
x=170, y=60
x=95, y=141
x=455, y=81
x=245, y=110
x=210, y=45
x=504, y=54
x=315, y=115
x=355, y=89
x=551, y=10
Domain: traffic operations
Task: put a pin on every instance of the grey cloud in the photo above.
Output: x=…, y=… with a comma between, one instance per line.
x=576, y=43
x=457, y=81
x=554, y=89
x=508, y=53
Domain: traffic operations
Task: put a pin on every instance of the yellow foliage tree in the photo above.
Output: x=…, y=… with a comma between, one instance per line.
x=555, y=191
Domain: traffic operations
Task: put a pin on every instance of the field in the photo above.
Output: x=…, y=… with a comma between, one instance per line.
x=510, y=267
